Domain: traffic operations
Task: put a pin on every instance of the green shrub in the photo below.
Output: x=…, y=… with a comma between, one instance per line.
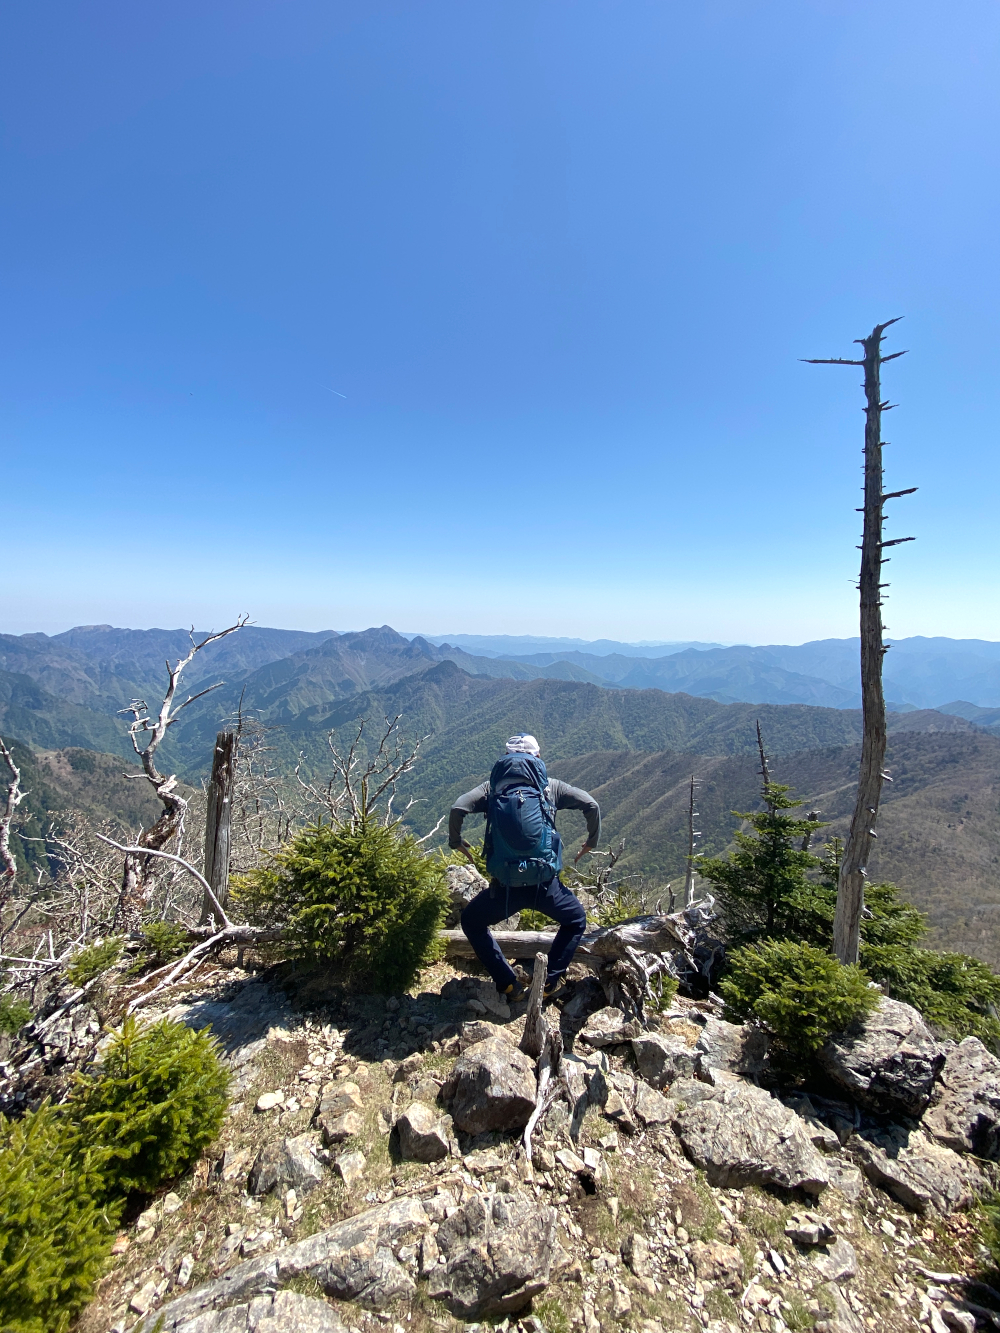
x=801, y=993
x=763, y=886
x=164, y=940
x=95, y=959
x=159, y=1101
x=363, y=896
x=956, y=993
x=13, y=1014
x=663, y=989
x=529, y=919
x=54, y=1235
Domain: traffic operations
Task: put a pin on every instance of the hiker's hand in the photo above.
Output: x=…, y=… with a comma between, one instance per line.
x=585, y=848
x=468, y=854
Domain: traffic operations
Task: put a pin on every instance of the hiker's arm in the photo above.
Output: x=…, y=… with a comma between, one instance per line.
x=472, y=803
x=575, y=798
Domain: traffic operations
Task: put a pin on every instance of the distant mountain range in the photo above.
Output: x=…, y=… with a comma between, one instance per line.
x=632, y=726
x=68, y=689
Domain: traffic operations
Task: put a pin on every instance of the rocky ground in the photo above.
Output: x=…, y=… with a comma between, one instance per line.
x=370, y=1174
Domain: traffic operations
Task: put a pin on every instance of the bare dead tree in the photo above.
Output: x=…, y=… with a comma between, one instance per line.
x=264, y=812
x=693, y=834
x=853, y=865
x=137, y=874
x=218, y=822
x=361, y=780
x=12, y=800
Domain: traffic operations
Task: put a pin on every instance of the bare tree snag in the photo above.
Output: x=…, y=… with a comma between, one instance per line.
x=535, y=1024
x=854, y=862
x=218, y=823
x=692, y=835
x=137, y=874
x=14, y=797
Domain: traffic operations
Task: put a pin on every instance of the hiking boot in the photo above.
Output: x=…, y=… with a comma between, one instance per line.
x=514, y=993
x=555, y=991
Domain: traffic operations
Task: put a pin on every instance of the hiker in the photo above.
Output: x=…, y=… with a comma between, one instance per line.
x=524, y=857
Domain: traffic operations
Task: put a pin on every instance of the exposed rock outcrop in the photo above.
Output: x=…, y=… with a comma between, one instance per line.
x=660, y=1058
x=498, y=1253
x=423, y=1134
x=354, y=1260
x=744, y=1136
x=888, y=1062
x=923, y=1175
x=284, y=1312
x=964, y=1110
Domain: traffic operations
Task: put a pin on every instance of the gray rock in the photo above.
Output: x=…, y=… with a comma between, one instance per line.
x=423, y=1134
x=290, y=1164
x=887, y=1062
x=744, y=1136
x=477, y=1030
x=352, y=1261
x=350, y=1167
x=808, y=1228
x=288, y=1312
x=635, y=1252
x=609, y=1027
x=464, y=884
x=586, y=1083
x=732, y=1047
x=492, y=1086
x=341, y=1128
x=847, y=1179
x=836, y=1262
x=660, y=1059
x=652, y=1107
x=499, y=1253
x=339, y=1112
x=921, y=1174
x=689, y=1091
x=964, y=1110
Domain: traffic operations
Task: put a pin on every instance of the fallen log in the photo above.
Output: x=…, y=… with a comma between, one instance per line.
x=646, y=934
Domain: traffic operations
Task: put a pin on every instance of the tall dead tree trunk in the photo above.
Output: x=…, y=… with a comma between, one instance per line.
x=853, y=865
x=692, y=835
x=218, y=824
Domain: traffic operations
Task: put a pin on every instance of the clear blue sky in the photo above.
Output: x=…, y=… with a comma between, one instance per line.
x=560, y=259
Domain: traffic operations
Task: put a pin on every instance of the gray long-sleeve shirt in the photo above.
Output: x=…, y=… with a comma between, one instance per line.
x=561, y=795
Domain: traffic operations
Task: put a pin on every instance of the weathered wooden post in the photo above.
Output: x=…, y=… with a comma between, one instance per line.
x=854, y=863
x=218, y=822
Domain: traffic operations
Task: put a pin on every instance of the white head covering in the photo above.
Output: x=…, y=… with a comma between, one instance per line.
x=523, y=744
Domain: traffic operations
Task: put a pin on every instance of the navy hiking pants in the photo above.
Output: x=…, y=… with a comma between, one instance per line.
x=497, y=903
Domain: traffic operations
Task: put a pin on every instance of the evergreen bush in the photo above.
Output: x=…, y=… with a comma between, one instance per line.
x=954, y=992
x=91, y=961
x=164, y=940
x=13, y=1014
x=54, y=1234
x=158, y=1102
x=800, y=992
x=361, y=896
x=763, y=887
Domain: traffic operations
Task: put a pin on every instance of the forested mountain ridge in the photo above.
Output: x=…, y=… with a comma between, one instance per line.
x=103, y=668
x=636, y=748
